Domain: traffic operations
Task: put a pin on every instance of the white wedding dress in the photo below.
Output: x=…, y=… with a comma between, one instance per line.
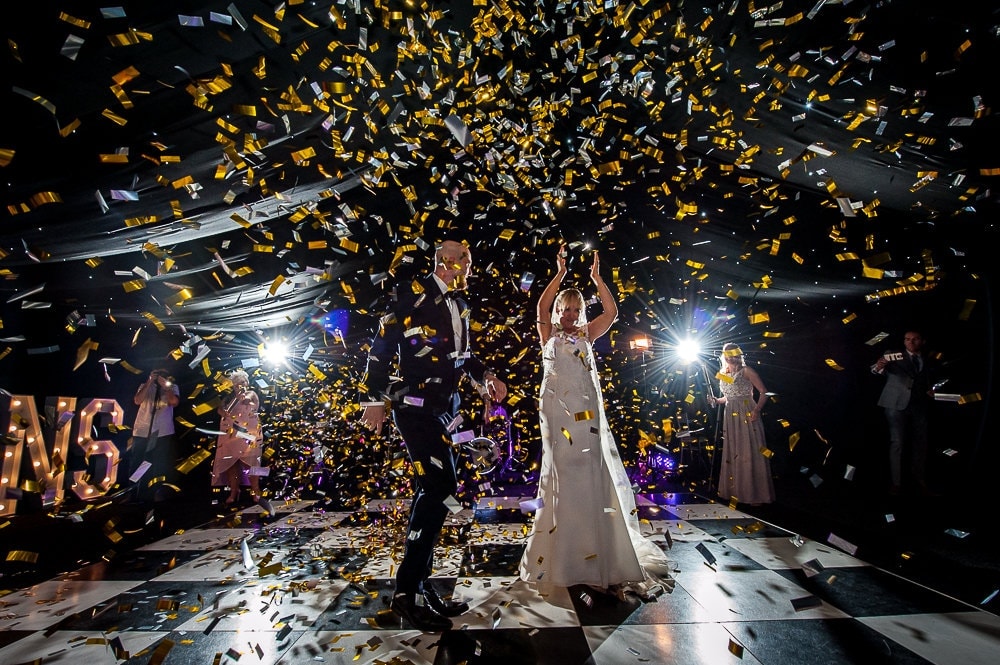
x=586, y=530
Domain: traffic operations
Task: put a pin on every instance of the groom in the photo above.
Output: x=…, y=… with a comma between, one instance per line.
x=428, y=330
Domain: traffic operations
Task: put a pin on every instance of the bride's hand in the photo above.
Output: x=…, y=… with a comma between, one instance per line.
x=595, y=270
x=561, y=259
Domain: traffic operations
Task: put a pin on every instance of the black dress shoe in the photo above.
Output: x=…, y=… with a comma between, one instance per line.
x=448, y=608
x=420, y=617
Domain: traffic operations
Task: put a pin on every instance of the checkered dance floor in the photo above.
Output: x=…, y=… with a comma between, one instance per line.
x=312, y=585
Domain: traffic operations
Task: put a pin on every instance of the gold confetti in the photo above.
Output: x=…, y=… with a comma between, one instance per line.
x=193, y=460
x=966, y=309
x=22, y=556
x=276, y=284
x=793, y=440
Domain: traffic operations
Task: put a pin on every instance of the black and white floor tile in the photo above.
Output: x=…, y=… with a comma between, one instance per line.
x=311, y=585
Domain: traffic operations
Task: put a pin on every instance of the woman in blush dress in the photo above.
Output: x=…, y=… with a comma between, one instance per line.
x=746, y=470
x=586, y=531
x=238, y=448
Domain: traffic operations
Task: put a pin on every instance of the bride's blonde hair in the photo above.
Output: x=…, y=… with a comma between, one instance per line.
x=563, y=298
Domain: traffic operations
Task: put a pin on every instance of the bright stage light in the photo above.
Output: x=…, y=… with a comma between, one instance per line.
x=688, y=350
x=274, y=353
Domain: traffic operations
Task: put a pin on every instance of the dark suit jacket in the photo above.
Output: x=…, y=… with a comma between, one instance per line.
x=418, y=331
x=904, y=383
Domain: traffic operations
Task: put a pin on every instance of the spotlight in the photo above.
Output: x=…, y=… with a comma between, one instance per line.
x=274, y=353
x=688, y=350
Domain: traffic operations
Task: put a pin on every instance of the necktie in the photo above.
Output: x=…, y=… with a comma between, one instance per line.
x=915, y=359
x=451, y=298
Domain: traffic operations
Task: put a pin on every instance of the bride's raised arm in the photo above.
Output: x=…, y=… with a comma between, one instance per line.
x=543, y=319
x=603, y=321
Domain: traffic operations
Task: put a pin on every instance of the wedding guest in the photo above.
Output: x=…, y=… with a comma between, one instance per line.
x=746, y=469
x=153, y=433
x=238, y=448
x=906, y=399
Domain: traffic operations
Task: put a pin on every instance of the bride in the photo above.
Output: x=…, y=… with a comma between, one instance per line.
x=586, y=530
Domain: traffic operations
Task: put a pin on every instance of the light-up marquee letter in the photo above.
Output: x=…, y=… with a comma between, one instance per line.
x=101, y=456
x=49, y=471
x=10, y=471
x=24, y=430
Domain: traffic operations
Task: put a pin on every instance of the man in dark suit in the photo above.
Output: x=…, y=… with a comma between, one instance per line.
x=906, y=400
x=427, y=329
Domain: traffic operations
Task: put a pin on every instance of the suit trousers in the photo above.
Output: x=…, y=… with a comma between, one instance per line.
x=907, y=425
x=160, y=453
x=428, y=444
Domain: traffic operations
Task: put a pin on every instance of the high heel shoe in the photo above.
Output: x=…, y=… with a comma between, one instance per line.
x=263, y=503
